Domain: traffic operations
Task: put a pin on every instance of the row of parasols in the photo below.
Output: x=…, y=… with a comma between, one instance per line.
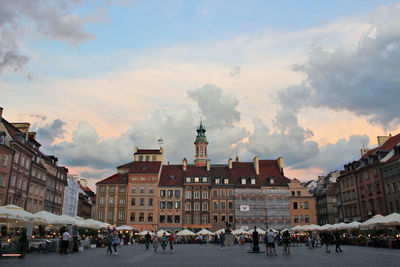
x=204, y=232
x=378, y=221
x=15, y=215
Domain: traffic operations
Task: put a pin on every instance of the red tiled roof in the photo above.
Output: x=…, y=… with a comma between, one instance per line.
x=392, y=142
x=117, y=178
x=394, y=158
x=193, y=171
x=145, y=167
x=220, y=171
x=125, y=166
x=369, y=152
x=148, y=151
x=171, y=170
x=13, y=132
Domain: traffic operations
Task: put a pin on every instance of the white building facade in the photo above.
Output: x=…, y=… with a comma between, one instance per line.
x=71, y=196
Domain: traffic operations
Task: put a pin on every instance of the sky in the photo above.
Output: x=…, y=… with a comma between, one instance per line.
x=309, y=81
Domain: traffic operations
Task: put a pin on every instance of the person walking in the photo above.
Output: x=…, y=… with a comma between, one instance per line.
x=164, y=241
x=337, y=239
x=326, y=239
x=271, y=242
x=147, y=238
x=286, y=241
x=116, y=241
x=64, y=242
x=109, y=241
x=222, y=239
x=171, y=241
x=200, y=237
x=155, y=243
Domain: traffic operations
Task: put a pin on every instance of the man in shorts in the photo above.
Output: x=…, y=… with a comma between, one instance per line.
x=271, y=242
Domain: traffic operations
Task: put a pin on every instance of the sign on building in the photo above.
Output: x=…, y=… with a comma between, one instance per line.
x=244, y=208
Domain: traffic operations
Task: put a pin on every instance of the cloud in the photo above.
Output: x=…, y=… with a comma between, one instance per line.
x=235, y=71
x=53, y=19
x=363, y=80
x=47, y=133
x=175, y=126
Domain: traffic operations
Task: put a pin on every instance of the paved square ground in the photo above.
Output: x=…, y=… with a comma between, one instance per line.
x=211, y=255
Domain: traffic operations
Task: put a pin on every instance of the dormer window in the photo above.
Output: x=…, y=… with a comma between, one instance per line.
x=243, y=181
x=271, y=179
x=172, y=177
x=187, y=179
x=226, y=181
x=253, y=180
x=196, y=179
x=216, y=180
x=140, y=158
x=205, y=179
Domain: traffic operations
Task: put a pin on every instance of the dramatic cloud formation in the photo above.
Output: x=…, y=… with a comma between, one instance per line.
x=50, y=131
x=53, y=19
x=364, y=80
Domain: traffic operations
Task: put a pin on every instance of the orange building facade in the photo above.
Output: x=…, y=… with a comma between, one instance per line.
x=302, y=205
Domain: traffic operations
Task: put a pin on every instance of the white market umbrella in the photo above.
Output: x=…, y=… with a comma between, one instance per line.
x=44, y=217
x=390, y=220
x=162, y=232
x=7, y=214
x=185, y=232
x=297, y=228
x=325, y=227
x=145, y=233
x=311, y=227
x=124, y=228
x=352, y=225
x=339, y=226
x=220, y=231
x=204, y=232
x=371, y=222
x=18, y=212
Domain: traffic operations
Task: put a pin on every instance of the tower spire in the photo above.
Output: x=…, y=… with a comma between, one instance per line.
x=201, y=145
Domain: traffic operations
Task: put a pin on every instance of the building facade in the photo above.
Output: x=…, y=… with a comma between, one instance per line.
x=391, y=180
x=71, y=195
x=302, y=205
x=6, y=157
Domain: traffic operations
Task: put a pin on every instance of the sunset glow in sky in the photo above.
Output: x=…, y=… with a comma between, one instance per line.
x=311, y=82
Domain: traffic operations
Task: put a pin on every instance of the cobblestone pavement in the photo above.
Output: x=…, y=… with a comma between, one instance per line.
x=211, y=255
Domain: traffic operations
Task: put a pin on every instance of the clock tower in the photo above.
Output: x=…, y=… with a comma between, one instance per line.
x=201, y=143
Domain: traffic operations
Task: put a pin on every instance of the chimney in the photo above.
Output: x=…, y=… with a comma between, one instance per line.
x=23, y=127
x=363, y=151
x=208, y=165
x=32, y=135
x=184, y=164
x=1, y=112
x=280, y=164
x=230, y=163
x=383, y=139
x=256, y=165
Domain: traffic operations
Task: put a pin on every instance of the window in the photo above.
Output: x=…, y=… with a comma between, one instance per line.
x=162, y=218
x=306, y=205
x=150, y=202
x=230, y=205
x=147, y=158
x=150, y=217
x=2, y=180
x=133, y=190
x=170, y=193
x=296, y=219
x=205, y=180
x=243, y=181
x=188, y=195
x=353, y=194
x=215, y=193
x=16, y=156
x=187, y=179
x=121, y=215
x=196, y=206
x=177, y=219
x=162, y=205
x=378, y=188
x=205, y=206
x=177, y=204
x=298, y=193
x=215, y=218
x=222, y=193
x=271, y=179
x=102, y=189
x=222, y=218
x=151, y=189
x=162, y=193
x=177, y=193
x=205, y=194
x=31, y=189
x=215, y=205
x=169, y=218
x=140, y=158
x=222, y=205
x=5, y=160
x=169, y=205
x=230, y=193
x=132, y=217
x=112, y=189
x=253, y=180
x=295, y=205
x=142, y=202
x=111, y=200
x=101, y=215
x=196, y=194
x=217, y=181
x=133, y=201
x=122, y=189
x=110, y=215
x=122, y=201
x=188, y=219
x=226, y=181
x=307, y=219
x=153, y=158
x=187, y=206
x=142, y=189
x=141, y=216
x=196, y=179
x=230, y=218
